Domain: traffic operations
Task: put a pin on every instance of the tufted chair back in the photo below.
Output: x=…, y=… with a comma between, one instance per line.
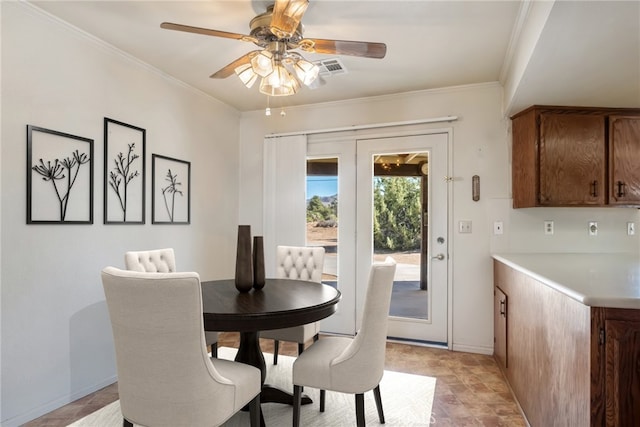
x=154, y=261
x=299, y=263
x=302, y=263
x=162, y=261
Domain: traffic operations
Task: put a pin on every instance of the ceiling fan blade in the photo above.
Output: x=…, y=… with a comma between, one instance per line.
x=344, y=47
x=229, y=69
x=286, y=17
x=206, y=31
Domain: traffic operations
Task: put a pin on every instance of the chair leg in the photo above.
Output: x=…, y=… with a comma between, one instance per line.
x=214, y=349
x=276, y=347
x=376, y=395
x=297, y=402
x=322, y=396
x=360, y=410
x=316, y=337
x=126, y=423
x=255, y=412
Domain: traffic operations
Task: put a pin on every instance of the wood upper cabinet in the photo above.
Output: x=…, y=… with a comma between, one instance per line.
x=564, y=156
x=624, y=160
x=572, y=159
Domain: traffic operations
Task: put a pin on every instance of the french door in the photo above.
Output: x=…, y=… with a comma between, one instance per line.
x=359, y=169
x=419, y=304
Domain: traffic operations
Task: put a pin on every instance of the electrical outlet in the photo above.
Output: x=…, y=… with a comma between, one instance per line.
x=548, y=227
x=464, y=227
x=593, y=228
x=631, y=228
x=497, y=227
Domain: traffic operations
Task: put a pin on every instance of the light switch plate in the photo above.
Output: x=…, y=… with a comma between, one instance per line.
x=464, y=227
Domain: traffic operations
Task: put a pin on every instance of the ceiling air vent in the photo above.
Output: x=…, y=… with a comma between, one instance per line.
x=331, y=67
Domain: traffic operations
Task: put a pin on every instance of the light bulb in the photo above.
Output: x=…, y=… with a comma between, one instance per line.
x=279, y=83
x=262, y=64
x=306, y=71
x=246, y=75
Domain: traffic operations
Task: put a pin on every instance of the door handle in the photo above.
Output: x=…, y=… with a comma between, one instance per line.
x=439, y=257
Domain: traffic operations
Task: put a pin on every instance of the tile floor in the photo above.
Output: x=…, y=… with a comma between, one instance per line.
x=470, y=389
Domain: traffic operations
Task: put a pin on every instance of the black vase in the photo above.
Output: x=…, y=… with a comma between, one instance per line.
x=244, y=264
x=258, y=263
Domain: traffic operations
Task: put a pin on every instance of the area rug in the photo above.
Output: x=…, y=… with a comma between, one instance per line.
x=406, y=399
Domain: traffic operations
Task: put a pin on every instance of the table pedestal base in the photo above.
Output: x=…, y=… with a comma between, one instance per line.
x=271, y=394
x=249, y=352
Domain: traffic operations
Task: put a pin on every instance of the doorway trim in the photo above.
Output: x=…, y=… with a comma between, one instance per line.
x=399, y=129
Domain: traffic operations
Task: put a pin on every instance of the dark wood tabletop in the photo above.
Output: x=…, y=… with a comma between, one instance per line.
x=280, y=304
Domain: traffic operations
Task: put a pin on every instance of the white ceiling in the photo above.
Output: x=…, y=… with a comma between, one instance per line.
x=587, y=54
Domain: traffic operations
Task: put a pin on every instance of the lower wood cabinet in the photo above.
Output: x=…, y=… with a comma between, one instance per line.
x=568, y=364
x=616, y=367
x=500, y=327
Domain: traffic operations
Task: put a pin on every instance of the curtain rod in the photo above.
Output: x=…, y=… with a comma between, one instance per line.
x=370, y=126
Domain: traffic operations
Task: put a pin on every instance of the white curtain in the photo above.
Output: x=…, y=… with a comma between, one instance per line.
x=285, y=207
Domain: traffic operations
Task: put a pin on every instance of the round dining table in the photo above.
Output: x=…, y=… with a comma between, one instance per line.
x=281, y=303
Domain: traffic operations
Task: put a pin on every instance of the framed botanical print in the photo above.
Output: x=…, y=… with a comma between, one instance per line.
x=124, y=173
x=59, y=177
x=171, y=190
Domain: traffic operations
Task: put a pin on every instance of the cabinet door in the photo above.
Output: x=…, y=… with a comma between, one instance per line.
x=622, y=382
x=500, y=327
x=624, y=158
x=572, y=159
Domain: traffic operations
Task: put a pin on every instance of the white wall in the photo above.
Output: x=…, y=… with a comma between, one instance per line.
x=56, y=338
x=481, y=146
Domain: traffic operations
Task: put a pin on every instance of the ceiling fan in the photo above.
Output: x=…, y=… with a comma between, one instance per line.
x=278, y=32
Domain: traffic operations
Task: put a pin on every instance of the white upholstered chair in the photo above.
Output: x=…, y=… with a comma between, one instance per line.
x=351, y=365
x=302, y=263
x=165, y=376
x=162, y=261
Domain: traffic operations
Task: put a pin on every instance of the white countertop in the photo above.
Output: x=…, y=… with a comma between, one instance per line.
x=598, y=280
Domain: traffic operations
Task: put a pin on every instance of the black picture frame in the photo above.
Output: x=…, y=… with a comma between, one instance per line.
x=170, y=190
x=59, y=185
x=124, y=173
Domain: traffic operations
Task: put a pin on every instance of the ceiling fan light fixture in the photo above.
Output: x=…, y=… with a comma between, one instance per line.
x=306, y=71
x=262, y=63
x=279, y=83
x=287, y=15
x=247, y=75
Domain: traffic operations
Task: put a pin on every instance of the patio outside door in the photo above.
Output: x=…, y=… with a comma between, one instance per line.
x=413, y=164
x=342, y=177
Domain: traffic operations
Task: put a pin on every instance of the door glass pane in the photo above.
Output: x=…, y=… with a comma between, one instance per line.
x=400, y=184
x=322, y=213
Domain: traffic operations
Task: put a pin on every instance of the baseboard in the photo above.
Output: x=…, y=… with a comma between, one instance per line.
x=55, y=404
x=473, y=349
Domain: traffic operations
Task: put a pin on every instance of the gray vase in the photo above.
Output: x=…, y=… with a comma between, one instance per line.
x=258, y=263
x=244, y=261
